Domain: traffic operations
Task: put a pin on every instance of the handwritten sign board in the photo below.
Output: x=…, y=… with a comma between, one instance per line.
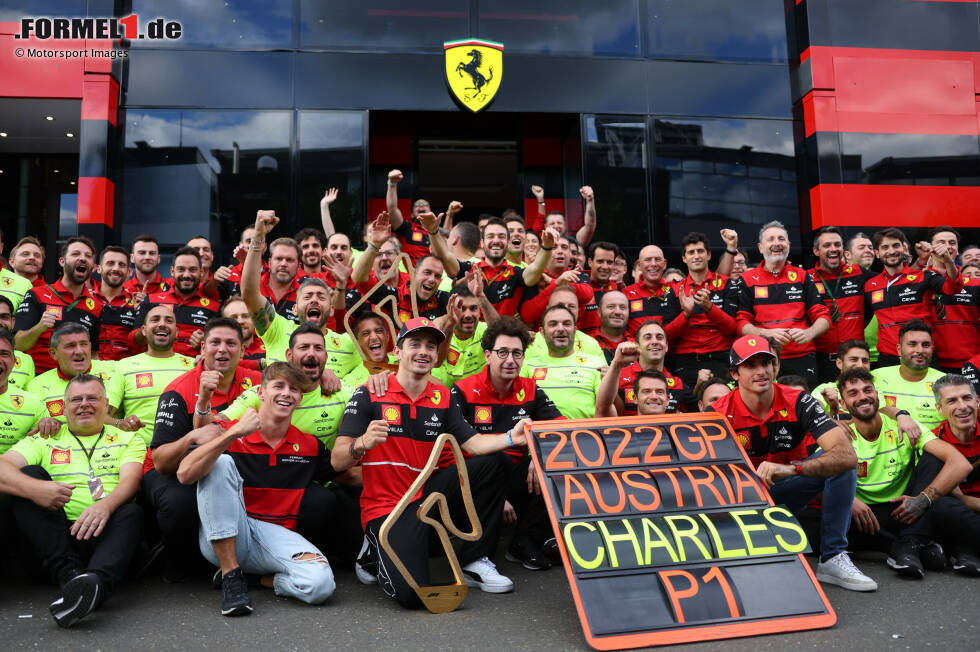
x=668, y=536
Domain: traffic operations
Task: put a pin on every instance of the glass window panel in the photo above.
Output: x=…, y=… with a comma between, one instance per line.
x=608, y=28
x=331, y=155
x=13, y=10
x=615, y=166
x=204, y=172
x=905, y=158
x=899, y=24
x=717, y=30
x=383, y=24
x=234, y=24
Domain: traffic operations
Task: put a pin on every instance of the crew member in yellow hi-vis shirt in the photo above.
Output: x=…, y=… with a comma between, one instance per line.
x=73, y=496
x=22, y=372
x=21, y=410
x=464, y=349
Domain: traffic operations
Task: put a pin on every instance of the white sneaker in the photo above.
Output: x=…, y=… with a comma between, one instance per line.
x=483, y=573
x=366, y=566
x=840, y=570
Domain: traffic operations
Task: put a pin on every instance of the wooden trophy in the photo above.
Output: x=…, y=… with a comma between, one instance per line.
x=445, y=597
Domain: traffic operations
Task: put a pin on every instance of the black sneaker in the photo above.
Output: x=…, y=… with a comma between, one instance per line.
x=79, y=597
x=235, y=600
x=366, y=565
x=965, y=562
x=523, y=552
x=905, y=558
x=933, y=557
x=550, y=548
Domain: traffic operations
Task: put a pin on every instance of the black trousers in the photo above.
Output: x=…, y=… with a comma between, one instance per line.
x=174, y=506
x=687, y=365
x=827, y=370
x=47, y=532
x=411, y=538
x=330, y=520
x=805, y=366
x=532, y=514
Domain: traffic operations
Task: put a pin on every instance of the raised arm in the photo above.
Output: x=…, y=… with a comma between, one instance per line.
x=474, y=280
x=262, y=315
x=532, y=273
x=198, y=462
x=391, y=199
x=329, y=197
x=584, y=235
x=727, y=258
x=378, y=233
x=606, y=398
x=454, y=207
x=440, y=248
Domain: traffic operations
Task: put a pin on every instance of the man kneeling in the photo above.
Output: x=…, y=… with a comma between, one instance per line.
x=253, y=532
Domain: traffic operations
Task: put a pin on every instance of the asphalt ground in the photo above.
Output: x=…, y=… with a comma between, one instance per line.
x=940, y=612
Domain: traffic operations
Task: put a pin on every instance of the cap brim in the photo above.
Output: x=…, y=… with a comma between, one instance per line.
x=746, y=359
x=438, y=334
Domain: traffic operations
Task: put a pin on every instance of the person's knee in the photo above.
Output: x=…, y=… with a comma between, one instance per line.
x=312, y=577
x=176, y=506
x=130, y=512
x=35, y=471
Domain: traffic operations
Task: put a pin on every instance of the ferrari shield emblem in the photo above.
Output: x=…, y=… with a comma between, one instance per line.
x=474, y=69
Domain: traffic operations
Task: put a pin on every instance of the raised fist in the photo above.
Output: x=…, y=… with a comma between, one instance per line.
x=395, y=176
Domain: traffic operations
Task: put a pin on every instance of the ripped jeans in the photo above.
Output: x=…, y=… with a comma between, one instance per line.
x=301, y=571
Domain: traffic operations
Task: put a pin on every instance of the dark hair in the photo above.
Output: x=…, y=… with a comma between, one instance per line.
x=286, y=242
x=826, y=229
x=702, y=386
x=509, y=327
x=558, y=306
x=606, y=246
x=366, y=315
x=303, y=329
x=78, y=238
x=647, y=323
x=469, y=235
x=7, y=335
x=943, y=229
x=9, y=303
x=914, y=325
x=794, y=381
x=951, y=380
x=850, y=241
x=187, y=251
x=852, y=344
x=693, y=238
x=550, y=213
x=889, y=232
x=331, y=236
x=146, y=237
x=292, y=375
x=113, y=249
x=306, y=232
x=462, y=290
x=68, y=328
x=495, y=220
x=484, y=216
x=852, y=375
x=223, y=322
x=647, y=373
x=85, y=378
x=511, y=215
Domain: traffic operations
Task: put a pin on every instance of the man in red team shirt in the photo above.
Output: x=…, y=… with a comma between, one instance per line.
x=250, y=481
x=146, y=259
x=119, y=311
x=614, y=313
x=772, y=422
x=650, y=297
x=956, y=315
x=414, y=238
x=67, y=299
x=602, y=259
x=781, y=301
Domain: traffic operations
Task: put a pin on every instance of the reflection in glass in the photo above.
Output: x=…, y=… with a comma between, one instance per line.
x=609, y=28
x=717, y=30
x=226, y=24
x=914, y=159
x=904, y=25
x=615, y=166
x=331, y=155
x=383, y=24
x=13, y=10
x=711, y=174
x=203, y=172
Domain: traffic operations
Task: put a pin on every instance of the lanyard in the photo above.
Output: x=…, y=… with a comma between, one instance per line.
x=835, y=313
x=81, y=295
x=89, y=453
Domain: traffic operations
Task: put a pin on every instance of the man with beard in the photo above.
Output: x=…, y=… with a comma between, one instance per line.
x=841, y=288
x=27, y=260
x=374, y=339
x=565, y=295
x=119, y=311
x=495, y=400
x=570, y=379
x=781, y=301
x=614, y=313
x=190, y=306
x=900, y=294
x=313, y=303
x=253, y=349
x=208, y=388
x=468, y=317
x=279, y=284
x=136, y=382
x=562, y=274
x=709, y=302
x=602, y=257
x=504, y=285
x=650, y=297
x=517, y=234
x=69, y=299
x=850, y=355
x=773, y=423
x=860, y=251
x=312, y=245
x=616, y=394
x=900, y=484
x=146, y=259
x=956, y=315
x=908, y=385
x=392, y=437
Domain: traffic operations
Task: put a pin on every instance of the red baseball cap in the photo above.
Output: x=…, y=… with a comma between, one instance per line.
x=747, y=346
x=420, y=324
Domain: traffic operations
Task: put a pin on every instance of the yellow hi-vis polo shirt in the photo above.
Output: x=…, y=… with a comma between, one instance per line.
x=138, y=381
x=51, y=385
x=23, y=372
x=19, y=412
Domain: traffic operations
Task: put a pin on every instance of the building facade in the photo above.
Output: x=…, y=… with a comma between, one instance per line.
x=682, y=114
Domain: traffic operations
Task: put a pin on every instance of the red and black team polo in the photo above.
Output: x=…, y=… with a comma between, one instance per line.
x=970, y=450
x=175, y=409
x=274, y=479
x=843, y=294
x=192, y=314
x=286, y=305
x=503, y=285
x=118, y=321
x=679, y=398
x=789, y=300
x=413, y=238
x=954, y=331
x=783, y=435
x=489, y=412
x=85, y=309
x=390, y=468
x=659, y=303
x=157, y=284
x=712, y=330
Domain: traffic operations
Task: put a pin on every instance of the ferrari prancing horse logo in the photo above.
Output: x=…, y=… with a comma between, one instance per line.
x=474, y=69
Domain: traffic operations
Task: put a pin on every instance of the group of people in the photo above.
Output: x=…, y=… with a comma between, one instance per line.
x=266, y=417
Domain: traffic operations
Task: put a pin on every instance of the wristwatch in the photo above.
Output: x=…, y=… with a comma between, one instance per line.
x=902, y=413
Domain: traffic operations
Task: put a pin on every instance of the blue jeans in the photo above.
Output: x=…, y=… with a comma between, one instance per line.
x=797, y=491
x=262, y=548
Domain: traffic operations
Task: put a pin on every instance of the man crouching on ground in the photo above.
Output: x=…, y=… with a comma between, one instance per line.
x=276, y=462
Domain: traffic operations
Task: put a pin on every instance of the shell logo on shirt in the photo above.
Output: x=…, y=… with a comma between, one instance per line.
x=17, y=400
x=743, y=440
x=61, y=456
x=56, y=408
x=391, y=414
x=540, y=373
x=761, y=292
x=877, y=295
x=637, y=305
x=483, y=414
x=891, y=401
x=416, y=236
x=452, y=356
x=144, y=380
